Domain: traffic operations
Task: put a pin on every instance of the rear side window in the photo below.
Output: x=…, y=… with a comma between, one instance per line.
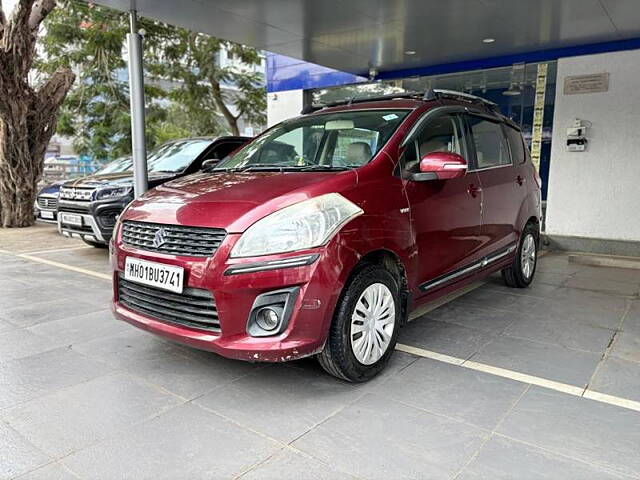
x=491, y=146
x=516, y=145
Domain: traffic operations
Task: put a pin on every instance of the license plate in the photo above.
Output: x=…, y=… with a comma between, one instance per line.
x=45, y=214
x=153, y=274
x=70, y=219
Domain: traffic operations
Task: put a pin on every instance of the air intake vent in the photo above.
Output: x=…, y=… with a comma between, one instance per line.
x=172, y=239
x=194, y=307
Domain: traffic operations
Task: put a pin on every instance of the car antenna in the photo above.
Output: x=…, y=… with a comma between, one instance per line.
x=429, y=94
x=351, y=99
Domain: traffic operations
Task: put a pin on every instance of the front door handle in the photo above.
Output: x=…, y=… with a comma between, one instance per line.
x=520, y=180
x=474, y=190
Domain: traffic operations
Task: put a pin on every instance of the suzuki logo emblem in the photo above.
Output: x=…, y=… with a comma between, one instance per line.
x=158, y=238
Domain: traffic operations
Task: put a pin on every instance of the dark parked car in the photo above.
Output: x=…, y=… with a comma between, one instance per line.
x=88, y=207
x=374, y=209
x=46, y=206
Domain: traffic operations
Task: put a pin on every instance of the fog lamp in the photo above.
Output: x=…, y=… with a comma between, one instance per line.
x=268, y=318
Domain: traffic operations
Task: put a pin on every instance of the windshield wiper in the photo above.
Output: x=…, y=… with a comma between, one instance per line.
x=323, y=168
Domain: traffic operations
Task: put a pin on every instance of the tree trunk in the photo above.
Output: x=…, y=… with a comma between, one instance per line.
x=27, y=116
x=232, y=120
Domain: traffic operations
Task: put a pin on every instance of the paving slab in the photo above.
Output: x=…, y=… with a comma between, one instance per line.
x=185, y=442
x=618, y=377
x=52, y=471
x=544, y=360
x=289, y=463
x=502, y=458
x=466, y=395
x=482, y=318
x=379, y=438
x=17, y=454
x=442, y=337
x=588, y=431
x=30, y=377
x=81, y=415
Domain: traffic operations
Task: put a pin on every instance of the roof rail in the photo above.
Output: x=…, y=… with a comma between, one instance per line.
x=431, y=94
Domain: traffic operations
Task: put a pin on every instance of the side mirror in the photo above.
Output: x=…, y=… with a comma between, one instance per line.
x=209, y=162
x=440, y=166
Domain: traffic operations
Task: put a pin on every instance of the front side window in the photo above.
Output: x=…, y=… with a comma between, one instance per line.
x=176, y=156
x=491, y=146
x=338, y=140
x=443, y=134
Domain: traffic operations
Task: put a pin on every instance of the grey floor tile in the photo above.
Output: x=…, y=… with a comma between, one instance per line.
x=465, y=395
x=627, y=344
x=52, y=471
x=561, y=331
x=556, y=263
x=190, y=376
x=446, y=338
x=593, y=432
x=78, y=416
x=18, y=342
x=502, y=458
x=290, y=464
x=603, y=285
x=17, y=454
x=39, y=311
x=127, y=347
x=485, y=319
x=378, y=438
x=585, y=306
x=27, y=378
x=80, y=328
x=618, y=377
x=186, y=442
x=540, y=359
x=627, y=275
x=291, y=400
x=501, y=300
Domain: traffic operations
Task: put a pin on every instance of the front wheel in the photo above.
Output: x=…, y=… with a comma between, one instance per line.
x=364, y=330
x=520, y=273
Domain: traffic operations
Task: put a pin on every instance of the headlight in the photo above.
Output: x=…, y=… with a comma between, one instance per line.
x=113, y=192
x=307, y=224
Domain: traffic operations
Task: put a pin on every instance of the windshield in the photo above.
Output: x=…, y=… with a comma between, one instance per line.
x=117, y=166
x=176, y=156
x=339, y=141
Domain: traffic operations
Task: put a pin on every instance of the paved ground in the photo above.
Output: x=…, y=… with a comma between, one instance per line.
x=84, y=396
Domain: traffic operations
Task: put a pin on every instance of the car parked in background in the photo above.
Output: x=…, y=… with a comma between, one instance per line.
x=88, y=207
x=323, y=235
x=46, y=206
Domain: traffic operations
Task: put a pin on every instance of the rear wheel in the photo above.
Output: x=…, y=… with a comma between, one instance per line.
x=520, y=273
x=364, y=330
x=95, y=244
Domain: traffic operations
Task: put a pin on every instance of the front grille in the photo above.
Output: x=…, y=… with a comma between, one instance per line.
x=77, y=193
x=172, y=239
x=66, y=207
x=194, y=307
x=47, y=203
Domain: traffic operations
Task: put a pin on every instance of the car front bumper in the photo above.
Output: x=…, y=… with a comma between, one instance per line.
x=317, y=287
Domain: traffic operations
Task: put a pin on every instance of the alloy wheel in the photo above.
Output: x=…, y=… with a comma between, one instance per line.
x=528, y=256
x=372, y=323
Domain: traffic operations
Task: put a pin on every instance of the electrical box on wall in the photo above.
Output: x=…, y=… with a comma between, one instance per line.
x=577, y=136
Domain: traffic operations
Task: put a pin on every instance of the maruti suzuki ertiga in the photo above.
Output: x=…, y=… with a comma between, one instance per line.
x=323, y=235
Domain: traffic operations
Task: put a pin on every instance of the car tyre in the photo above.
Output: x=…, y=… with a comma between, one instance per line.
x=95, y=244
x=520, y=273
x=367, y=317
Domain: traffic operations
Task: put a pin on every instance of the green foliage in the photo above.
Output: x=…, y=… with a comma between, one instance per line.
x=183, y=98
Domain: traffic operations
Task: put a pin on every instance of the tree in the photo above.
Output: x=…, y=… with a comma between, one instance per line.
x=91, y=40
x=202, y=84
x=28, y=113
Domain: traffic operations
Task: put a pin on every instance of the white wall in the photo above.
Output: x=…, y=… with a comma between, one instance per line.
x=597, y=193
x=283, y=105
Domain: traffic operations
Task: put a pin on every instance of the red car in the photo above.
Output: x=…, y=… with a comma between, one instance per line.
x=322, y=235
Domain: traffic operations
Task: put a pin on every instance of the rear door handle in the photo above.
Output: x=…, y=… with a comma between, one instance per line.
x=474, y=190
x=520, y=180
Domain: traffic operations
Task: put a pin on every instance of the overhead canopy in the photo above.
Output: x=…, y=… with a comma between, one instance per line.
x=352, y=35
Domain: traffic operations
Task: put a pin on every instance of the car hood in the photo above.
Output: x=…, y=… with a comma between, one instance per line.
x=233, y=201
x=51, y=190
x=123, y=179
